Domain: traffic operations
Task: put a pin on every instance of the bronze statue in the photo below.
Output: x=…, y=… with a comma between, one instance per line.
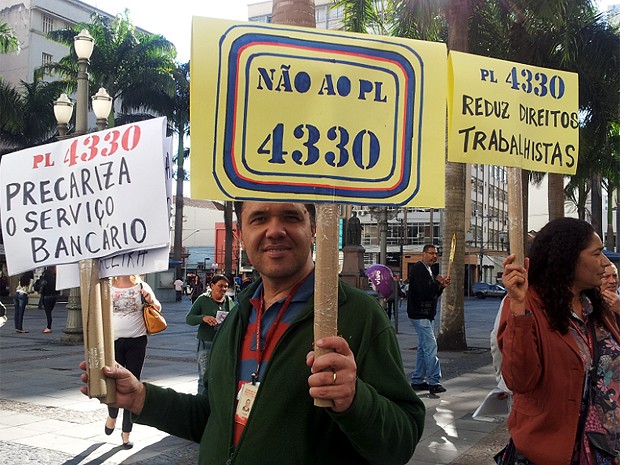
x=354, y=230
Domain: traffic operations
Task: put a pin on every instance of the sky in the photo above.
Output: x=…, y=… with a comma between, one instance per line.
x=174, y=20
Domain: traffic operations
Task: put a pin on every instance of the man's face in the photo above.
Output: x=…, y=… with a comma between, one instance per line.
x=278, y=239
x=610, y=279
x=430, y=256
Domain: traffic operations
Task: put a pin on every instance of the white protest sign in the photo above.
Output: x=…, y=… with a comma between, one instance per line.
x=86, y=197
x=129, y=263
x=135, y=262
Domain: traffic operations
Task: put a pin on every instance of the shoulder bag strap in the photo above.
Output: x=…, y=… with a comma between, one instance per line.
x=141, y=295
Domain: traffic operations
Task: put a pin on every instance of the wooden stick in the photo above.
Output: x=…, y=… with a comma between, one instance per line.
x=451, y=258
x=515, y=214
x=326, y=280
x=92, y=321
x=108, y=337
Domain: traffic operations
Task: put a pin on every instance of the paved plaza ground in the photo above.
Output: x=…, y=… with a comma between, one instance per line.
x=44, y=419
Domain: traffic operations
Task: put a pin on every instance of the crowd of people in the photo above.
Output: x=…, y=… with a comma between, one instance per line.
x=556, y=350
x=45, y=287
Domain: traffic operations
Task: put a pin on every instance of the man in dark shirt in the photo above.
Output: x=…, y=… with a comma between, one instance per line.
x=424, y=291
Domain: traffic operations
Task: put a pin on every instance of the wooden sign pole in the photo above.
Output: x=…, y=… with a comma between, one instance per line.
x=451, y=258
x=326, y=279
x=108, y=337
x=92, y=320
x=515, y=214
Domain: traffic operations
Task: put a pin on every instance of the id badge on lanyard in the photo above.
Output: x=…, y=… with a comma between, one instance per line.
x=245, y=402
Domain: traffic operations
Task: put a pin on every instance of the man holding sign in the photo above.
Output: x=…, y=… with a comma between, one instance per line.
x=260, y=396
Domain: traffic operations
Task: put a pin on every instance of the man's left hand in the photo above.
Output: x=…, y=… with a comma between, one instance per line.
x=334, y=375
x=445, y=282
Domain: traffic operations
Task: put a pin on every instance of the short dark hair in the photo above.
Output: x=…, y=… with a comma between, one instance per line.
x=428, y=246
x=309, y=207
x=219, y=277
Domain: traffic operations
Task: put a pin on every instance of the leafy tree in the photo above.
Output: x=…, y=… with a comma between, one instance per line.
x=8, y=41
x=538, y=33
x=178, y=112
x=27, y=114
x=134, y=67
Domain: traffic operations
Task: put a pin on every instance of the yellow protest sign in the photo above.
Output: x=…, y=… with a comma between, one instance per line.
x=510, y=114
x=280, y=112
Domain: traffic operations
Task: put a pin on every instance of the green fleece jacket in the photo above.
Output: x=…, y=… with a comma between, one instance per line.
x=382, y=426
x=203, y=306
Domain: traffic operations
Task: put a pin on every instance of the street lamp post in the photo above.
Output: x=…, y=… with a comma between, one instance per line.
x=102, y=104
x=481, y=277
x=63, y=109
x=83, y=44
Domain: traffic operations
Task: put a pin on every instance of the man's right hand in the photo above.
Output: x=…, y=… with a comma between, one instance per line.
x=130, y=392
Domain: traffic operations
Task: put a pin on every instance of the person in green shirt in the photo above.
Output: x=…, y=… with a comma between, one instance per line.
x=263, y=377
x=209, y=311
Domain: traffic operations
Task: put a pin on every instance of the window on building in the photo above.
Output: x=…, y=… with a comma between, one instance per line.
x=261, y=19
x=370, y=234
x=47, y=24
x=321, y=14
x=46, y=59
x=336, y=13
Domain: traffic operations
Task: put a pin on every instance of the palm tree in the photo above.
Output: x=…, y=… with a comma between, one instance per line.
x=27, y=114
x=577, y=41
x=8, y=41
x=178, y=112
x=134, y=67
x=294, y=12
x=539, y=33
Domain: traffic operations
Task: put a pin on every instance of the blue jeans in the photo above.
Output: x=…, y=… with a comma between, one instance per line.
x=427, y=364
x=20, y=300
x=204, y=349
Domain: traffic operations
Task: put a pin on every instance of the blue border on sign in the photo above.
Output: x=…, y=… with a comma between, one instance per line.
x=242, y=41
x=345, y=178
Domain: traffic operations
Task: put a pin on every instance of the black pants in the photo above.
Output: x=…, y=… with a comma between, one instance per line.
x=129, y=352
x=49, y=301
x=390, y=308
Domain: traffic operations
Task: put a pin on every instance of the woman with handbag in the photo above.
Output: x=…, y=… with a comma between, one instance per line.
x=130, y=336
x=209, y=311
x=20, y=300
x=561, y=351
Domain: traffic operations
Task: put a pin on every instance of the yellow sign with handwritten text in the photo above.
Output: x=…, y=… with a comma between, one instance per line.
x=510, y=114
x=280, y=112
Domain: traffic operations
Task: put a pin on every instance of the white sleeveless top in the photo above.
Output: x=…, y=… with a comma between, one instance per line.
x=127, y=314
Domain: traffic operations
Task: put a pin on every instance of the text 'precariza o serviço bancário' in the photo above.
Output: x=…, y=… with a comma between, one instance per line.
x=80, y=187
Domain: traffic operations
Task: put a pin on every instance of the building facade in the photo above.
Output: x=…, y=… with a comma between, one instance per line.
x=32, y=20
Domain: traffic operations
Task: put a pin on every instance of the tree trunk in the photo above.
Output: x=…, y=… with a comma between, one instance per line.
x=178, y=209
x=581, y=201
x=609, y=238
x=294, y=12
x=597, y=204
x=617, y=220
x=452, y=319
x=555, y=195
